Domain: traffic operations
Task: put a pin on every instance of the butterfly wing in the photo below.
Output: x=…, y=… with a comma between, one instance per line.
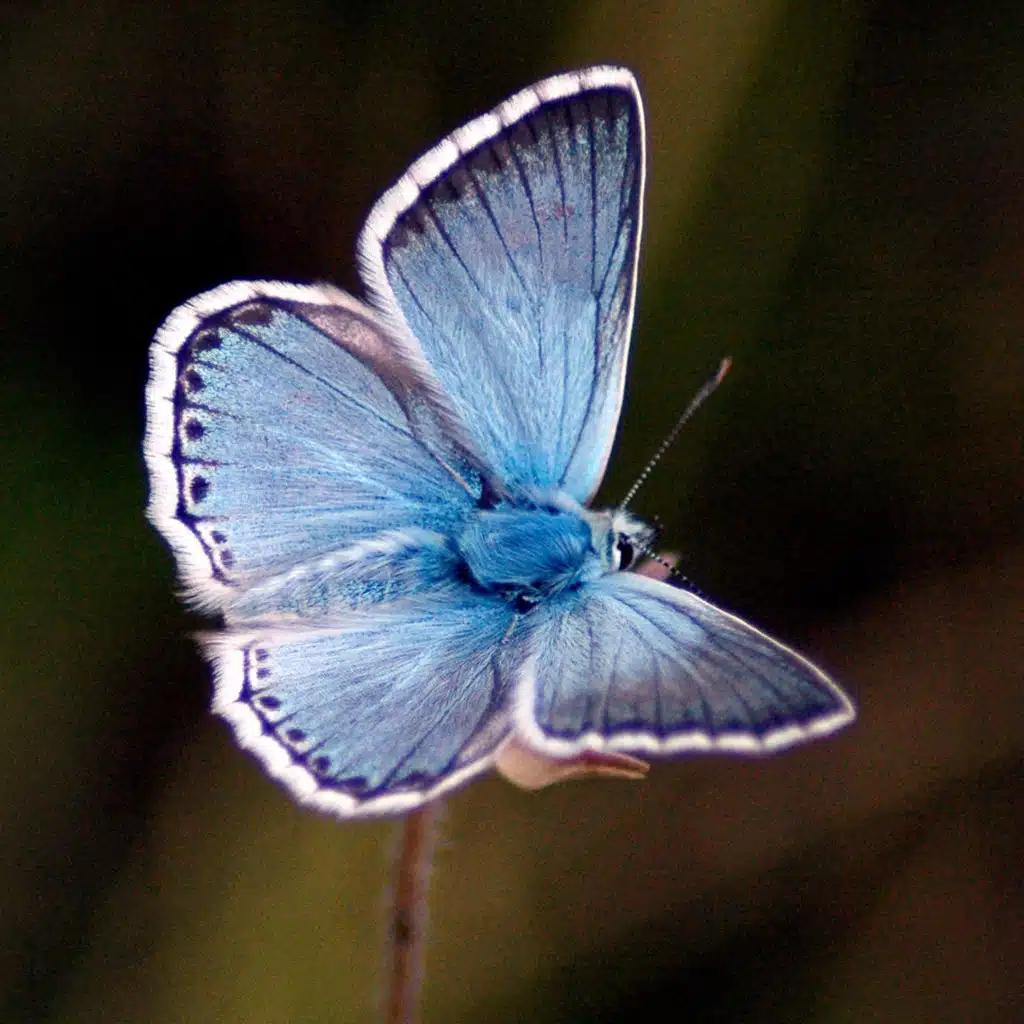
x=375, y=712
x=634, y=665
x=307, y=470
x=510, y=251
x=285, y=422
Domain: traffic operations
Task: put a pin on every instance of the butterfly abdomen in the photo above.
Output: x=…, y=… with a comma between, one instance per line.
x=527, y=553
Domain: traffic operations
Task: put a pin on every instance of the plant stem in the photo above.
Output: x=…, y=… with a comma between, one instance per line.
x=408, y=914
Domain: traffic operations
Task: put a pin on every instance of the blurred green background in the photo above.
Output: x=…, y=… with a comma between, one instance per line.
x=836, y=200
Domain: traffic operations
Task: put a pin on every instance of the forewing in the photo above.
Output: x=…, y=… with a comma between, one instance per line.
x=285, y=422
x=630, y=664
x=510, y=251
x=377, y=712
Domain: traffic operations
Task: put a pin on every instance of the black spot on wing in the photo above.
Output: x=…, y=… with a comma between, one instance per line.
x=251, y=314
x=189, y=425
x=204, y=340
x=199, y=489
x=409, y=227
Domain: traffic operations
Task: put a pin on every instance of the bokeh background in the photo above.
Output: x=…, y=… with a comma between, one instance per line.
x=836, y=199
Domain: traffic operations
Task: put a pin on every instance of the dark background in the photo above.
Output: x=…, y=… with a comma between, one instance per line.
x=836, y=200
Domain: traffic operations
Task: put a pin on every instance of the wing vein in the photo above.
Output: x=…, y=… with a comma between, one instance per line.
x=722, y=645
x=327, y=385
x=559, y=173
x=528, y=192
x=455, y=252
x=595, y=379
x=187, y=405
x=440, y=333
x=592, y=141
x=485, y=203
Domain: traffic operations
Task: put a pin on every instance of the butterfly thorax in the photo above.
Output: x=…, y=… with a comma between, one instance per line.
x=531, y=553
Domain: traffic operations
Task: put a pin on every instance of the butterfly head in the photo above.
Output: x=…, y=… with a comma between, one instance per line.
x=619, y=538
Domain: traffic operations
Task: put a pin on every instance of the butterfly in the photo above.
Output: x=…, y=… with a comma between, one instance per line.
x=386, y=501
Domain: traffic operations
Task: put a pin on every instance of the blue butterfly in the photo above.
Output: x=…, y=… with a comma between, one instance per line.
x=387, y=501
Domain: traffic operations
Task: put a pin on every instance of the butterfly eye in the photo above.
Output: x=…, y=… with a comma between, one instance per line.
x=625, y=549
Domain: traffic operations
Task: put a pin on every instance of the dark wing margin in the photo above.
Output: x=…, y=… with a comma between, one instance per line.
x=510, y=252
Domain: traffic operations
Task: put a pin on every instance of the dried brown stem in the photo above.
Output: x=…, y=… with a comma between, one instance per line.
x=407, y=924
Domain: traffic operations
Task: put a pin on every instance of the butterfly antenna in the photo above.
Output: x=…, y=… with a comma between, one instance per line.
x=663, y=562
x=695, y=404
x=674, y=576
